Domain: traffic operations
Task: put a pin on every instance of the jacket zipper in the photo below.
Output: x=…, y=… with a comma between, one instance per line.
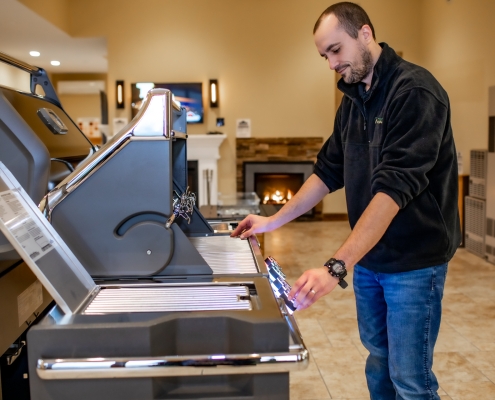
x=363, y=110
x=365, y=119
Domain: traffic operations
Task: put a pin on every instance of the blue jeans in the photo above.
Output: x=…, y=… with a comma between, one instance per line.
x=399, y=318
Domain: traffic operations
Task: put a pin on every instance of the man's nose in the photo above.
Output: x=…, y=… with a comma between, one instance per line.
x=332, y=63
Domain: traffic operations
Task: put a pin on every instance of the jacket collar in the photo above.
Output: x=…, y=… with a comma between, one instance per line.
x=387, y=63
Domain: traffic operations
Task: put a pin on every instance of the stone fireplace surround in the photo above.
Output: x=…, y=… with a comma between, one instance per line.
x=278, y=150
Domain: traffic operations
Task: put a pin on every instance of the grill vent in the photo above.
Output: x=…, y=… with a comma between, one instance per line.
x=477, y=178
x=475, y=225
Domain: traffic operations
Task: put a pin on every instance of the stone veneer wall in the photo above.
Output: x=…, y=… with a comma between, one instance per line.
x=274, y=149
x=278, y=150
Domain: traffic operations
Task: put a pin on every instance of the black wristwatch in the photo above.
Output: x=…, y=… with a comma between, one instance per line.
x=337, y=269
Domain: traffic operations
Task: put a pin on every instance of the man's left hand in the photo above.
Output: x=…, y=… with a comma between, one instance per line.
x=313, y=284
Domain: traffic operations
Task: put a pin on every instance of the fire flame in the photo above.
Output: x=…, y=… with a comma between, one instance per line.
x=277, y=197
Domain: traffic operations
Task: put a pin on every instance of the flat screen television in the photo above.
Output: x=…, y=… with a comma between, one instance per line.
x=190, y=96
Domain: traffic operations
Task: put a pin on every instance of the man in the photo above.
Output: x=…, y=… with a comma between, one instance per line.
x=392, y=149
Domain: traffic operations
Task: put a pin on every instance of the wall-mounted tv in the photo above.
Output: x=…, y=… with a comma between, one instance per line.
x=190, y=96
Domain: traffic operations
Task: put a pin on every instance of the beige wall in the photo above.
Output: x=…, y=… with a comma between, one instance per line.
x=457, y=38
x=261, y=51
x=80, y=105
x=263, y=55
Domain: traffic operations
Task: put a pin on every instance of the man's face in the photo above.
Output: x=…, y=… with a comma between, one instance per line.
x=350, y=57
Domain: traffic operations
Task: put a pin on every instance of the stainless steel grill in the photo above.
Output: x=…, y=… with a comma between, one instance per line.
x=168, y=299
x=225, y=255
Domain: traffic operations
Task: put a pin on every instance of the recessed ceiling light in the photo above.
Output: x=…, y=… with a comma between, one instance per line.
x=55, y=63
x=34, y=53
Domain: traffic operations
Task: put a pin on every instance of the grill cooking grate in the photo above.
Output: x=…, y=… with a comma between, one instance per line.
x=225, y=255
x=170, y=299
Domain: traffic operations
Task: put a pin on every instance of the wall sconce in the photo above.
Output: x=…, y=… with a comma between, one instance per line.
x=214, y=93
x=119, y=94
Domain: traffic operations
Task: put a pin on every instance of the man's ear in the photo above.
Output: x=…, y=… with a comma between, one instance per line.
x=367, y=33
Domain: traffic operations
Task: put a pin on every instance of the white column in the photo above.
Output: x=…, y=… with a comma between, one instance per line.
x=205, y=150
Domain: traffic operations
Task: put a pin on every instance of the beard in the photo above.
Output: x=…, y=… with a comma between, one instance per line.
x=360, y=71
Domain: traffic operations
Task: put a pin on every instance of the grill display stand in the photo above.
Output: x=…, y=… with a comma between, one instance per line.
x=120, y=338
x=205, y=324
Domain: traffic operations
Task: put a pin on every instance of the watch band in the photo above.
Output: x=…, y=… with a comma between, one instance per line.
x=330, y=264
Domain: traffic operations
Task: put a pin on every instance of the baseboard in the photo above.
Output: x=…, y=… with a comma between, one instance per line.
x=335, y=217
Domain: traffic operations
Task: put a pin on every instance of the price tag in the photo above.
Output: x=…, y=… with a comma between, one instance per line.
x=31, y=236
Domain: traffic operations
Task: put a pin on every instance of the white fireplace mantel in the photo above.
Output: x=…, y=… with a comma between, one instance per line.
x=205, y=150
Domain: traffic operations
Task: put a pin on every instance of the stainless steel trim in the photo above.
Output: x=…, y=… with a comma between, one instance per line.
x=258, y=256
x=131, y=131
x=19, y=64
x=167, y=284
x=296, y=358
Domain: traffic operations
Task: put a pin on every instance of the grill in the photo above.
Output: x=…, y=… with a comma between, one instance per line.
x=176, y=301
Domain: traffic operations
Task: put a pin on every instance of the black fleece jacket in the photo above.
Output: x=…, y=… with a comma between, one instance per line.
x=396, y=138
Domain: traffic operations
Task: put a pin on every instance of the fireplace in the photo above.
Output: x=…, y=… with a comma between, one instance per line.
x=277, y=189
x=277, y=156
x=276, y=182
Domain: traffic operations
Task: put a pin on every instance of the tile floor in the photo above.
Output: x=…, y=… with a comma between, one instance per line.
x=465, y=353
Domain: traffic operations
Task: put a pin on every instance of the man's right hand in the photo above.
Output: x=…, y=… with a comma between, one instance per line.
x=253, y=224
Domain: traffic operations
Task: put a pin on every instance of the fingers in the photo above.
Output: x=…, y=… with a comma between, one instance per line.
x=311, y=286
x=311, y=297
x=246, y=233
x=297, y=286
x=250, y=225
x=245, y=223
x=306, y=296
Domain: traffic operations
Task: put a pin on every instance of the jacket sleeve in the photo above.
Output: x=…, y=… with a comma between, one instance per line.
x=329, y=166
x=415, y=127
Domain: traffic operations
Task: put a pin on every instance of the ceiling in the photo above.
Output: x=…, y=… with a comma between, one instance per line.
x=22, y=30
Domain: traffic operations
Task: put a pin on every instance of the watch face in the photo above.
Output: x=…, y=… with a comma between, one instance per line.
x=338, y=268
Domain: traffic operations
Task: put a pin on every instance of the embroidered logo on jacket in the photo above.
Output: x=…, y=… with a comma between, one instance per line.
x=378, y=120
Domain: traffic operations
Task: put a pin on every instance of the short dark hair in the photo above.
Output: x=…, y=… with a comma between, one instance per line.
x=351, y=17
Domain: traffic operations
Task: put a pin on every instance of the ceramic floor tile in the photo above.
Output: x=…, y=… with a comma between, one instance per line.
x=481, y=330
x=451, y=340
x=306, y=387
x=312, y=333
x=470, y=309
x=478, y=391
x=485, y=346
x=341, y=341
x=341, y=328
x=449, y=367
x=342, y=308
x=341, y=386
x=318, y=310
x=326, y=356
x=481, y=359
x=489, y=373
